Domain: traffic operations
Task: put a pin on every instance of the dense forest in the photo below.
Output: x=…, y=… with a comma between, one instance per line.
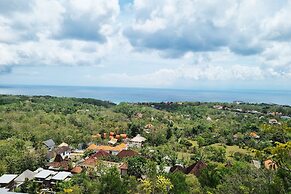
x=228, y=137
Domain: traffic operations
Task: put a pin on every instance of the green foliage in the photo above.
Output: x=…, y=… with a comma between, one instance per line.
x=136, y=166
x=178, y=179
x=25, y=122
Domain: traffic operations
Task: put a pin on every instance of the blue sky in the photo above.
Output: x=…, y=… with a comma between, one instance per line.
x=189, y=44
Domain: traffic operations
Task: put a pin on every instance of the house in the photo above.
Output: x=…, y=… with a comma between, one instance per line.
x=270, y=164
x=219, y=107
x=62, y=176
x=92, y=147
x=26, y=175
x=256, y=163
x=177, y=168
x=64, y=151
x=76, y=155
x=109, y=149
x=44, y=175
x=6, y=180
x=50, y=144
x=254, y=135
x=126, y=153
x=59, y=163
x=196, y=168
x=77, y=170
x=112, y=141
x=273, y=121
x=63, y=144
x=6, y=191
x=137, y=141
x=123, y=169
x=100, y=154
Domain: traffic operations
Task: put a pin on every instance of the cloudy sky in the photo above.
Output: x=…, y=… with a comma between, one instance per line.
x=147, y=43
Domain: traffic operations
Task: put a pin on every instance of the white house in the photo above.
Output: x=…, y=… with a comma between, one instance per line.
x=137, y=141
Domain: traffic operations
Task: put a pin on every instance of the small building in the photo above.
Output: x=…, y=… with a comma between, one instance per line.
x=270, y=164
x=6, y=180
x=26, y=175
x=44, y=175
x=196, y=168
x=177, y=168
x=63, y=145
x=62, y=176
x=126, y=154
x=77, y=170
x=273, y=122
x=50, y=144
x=123, y=169
x=59, y=163
x=63, y=151
x=112, y=141
x=109, y=149
x=137, y=141
x=6, y=191
x=254, y=135
x=256, y=163
x=100, y=154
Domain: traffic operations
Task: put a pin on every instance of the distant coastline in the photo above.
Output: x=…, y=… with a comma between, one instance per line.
x=117, y=95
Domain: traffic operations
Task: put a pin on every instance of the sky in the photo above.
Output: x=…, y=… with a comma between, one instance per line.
x=189, y=44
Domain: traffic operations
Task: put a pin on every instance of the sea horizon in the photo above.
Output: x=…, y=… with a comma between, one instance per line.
x=134, y=94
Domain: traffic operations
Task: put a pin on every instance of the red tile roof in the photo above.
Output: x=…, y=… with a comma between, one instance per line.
x=196, y=168
x=126, y=153
x=77, y=170
x=100, y=154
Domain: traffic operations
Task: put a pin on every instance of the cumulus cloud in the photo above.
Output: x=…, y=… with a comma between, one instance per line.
x=183, y=26
x=171, y=39
x=41, y=32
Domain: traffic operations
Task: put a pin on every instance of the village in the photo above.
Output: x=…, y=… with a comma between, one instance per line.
x=64, y=162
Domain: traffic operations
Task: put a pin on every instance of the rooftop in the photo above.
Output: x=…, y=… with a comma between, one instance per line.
x=62, y=176
x=138, y=138
x=28, y=174
x=44, y=174
x=7, y=178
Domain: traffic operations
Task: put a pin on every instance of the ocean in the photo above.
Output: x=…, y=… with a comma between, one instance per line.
x=118, y=95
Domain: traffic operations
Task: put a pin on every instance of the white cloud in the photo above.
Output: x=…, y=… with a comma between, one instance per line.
x=159, y=43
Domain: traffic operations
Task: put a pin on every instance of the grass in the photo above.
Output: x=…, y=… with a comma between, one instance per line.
x=231, y=149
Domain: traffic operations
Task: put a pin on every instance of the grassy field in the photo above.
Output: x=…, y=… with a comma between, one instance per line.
x=231, y=149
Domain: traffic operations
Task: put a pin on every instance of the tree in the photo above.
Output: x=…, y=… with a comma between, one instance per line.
x=178, y=179
x=162, y=185
x=111, y=182
x=193, y=184
x=136, y=166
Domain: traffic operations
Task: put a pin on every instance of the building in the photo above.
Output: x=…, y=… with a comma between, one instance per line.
x=44, y=175
x=196, y=168
x=109, y=149
x=59, y=163
x=26, y=175
x=123, y=169
x=126, y=153
x=137, y=141
x=273, y=121
x=63, y=151
x=50, y=144
x=270, y=164
x=7, y=180
x=61, y=176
